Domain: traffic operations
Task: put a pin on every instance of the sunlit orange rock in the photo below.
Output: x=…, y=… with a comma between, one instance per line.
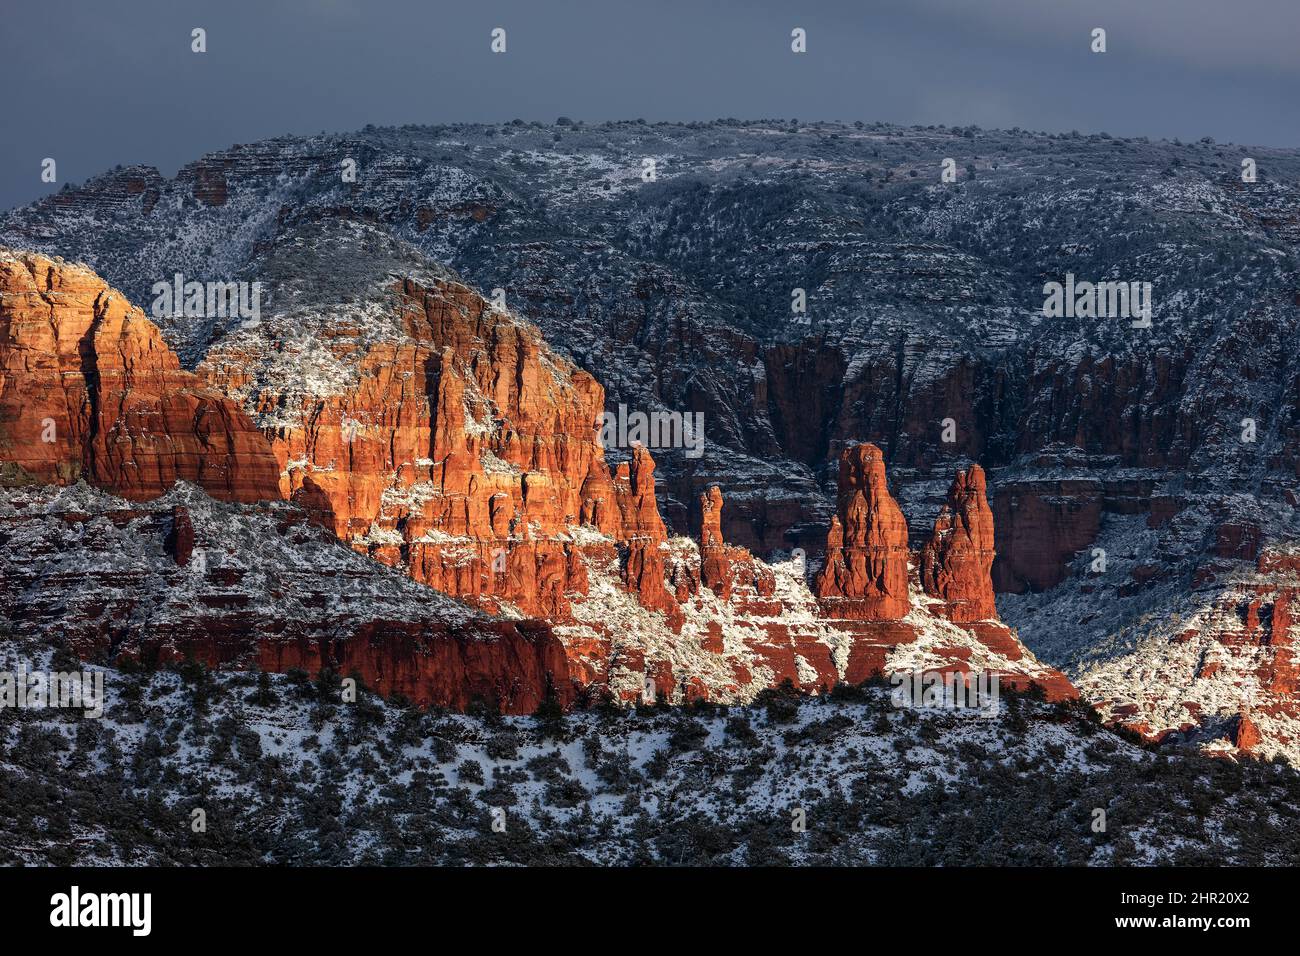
x=865, y=574
x=458, y=448
x=957, y=561
x=89, y=390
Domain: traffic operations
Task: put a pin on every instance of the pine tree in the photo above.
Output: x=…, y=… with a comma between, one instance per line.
x=550, y=712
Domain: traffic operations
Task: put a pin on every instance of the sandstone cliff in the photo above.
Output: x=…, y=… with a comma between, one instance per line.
x=89, y=389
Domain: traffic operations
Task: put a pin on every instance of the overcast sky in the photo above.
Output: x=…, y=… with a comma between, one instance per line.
x=94, y=84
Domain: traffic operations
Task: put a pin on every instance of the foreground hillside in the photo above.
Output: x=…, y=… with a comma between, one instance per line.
x=285, y=772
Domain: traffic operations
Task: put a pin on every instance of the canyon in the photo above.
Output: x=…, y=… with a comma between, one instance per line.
x=1104, y=495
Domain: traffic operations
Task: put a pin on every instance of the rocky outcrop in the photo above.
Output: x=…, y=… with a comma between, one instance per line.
x=89, y=389
x=642, y=530
x=460, y=448
x=957, y=562
x=179, y=542
x=634, y=488
x=1218, y=668
x=644, y=575
x=506, y=665
x=865, y=574
x=866, y=590
x=185, y=577
x=715, y=568
x=1245, y=734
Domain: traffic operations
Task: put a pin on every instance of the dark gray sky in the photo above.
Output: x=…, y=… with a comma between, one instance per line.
x=94, y=84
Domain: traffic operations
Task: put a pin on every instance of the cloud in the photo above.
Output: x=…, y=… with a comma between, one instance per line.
x=1248, y=35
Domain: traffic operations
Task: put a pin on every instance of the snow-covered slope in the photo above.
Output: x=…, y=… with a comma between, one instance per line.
x=284, y=772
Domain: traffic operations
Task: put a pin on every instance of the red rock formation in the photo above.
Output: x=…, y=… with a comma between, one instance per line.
x=458, y=448
x=1245, y=734
x=634, y=488
x=732, y=573
x=643, y=529
x=865, y=574
x=430, y=663
x=715, y=569
x=711, y=523
x=180, y=539
x=89, y=389
x=644, y=575
x=957, y=561
x=864, y=584
x=458, y=442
